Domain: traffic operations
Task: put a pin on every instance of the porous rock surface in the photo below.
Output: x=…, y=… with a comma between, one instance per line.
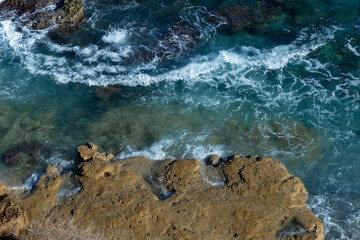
x=46, y=13
x=258, y=200
x=12, y=217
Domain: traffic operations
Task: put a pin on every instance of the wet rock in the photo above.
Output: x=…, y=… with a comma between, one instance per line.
x=213, y=160
x=26, y=152
x=105, y=93
x=259, y=200
x=44, y=196
x=47, y=13
x=4, y=109
x=12, y=217
x=3, y=189
x=305, y=13
x=177, y=41
x=236, y=18
x=10, y=157
x=282, y=137
x=89, y=151
x=30, y=126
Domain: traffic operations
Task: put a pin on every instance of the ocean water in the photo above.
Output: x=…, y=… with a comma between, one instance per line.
x=287, y=88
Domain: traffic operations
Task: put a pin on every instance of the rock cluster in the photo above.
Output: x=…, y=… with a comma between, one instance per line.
x=259, y=199
x=89, y=152
x=46, y=13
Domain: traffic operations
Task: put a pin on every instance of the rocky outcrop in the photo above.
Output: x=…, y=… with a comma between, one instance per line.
x=172, y=199
x=12, y=217
x=46, y=13
x=89, y=151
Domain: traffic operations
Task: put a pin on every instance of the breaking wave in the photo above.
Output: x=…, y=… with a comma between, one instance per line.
x=110, y=61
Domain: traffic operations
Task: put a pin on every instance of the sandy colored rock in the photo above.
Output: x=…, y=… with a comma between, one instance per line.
x=44, y=196
x=171, y=199
x=12, y=217
x=89, y=151
x=3, y=189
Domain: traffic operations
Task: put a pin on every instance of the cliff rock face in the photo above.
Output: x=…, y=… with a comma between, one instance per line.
x=171, y=199
x=46, y=13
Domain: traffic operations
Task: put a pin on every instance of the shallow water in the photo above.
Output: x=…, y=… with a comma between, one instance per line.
x=288, y=88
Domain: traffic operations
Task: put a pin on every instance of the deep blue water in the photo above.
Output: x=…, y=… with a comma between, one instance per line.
x=288, y=88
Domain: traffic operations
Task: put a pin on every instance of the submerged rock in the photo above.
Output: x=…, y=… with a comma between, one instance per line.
x=24, y=153
x=105, y=93
x=177, y=41
x=259, y=200
x=47, y=13
x=235, y=18
x=4, y=109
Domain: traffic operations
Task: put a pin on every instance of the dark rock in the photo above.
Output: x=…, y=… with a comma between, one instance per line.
x=23, y=153
x=47, y=13
x=179, y=39
x=10, y=157
x=213, y=160
x=4, y=109
x=236, y=18
x=105, y=93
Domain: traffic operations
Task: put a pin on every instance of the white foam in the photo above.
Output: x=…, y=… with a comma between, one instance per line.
x=29, y=183
x=58, y=161
x=327, y=209
x=92, y=65
x=352, y=49
x=200, y=152
x=118, y=36
x=157, y=151
x=167, y=146
x=10, y=35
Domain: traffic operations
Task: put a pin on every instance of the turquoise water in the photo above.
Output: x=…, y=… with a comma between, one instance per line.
x=288, y=88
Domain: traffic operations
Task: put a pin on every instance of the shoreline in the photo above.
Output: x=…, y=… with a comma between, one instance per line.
x=171, y=199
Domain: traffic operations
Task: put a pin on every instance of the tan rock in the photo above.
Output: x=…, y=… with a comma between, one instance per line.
x=12, y=217
x=3, y=189
x=44, y=196
x=86, y=152
x=89, y=151
x=259, y=200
